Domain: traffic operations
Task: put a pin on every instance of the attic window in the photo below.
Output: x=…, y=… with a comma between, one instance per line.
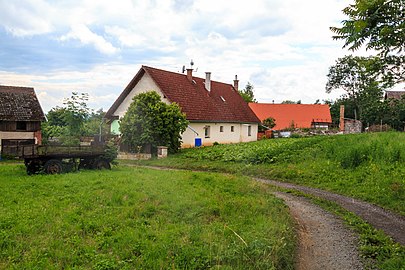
x=222, y=98
x=21, y=125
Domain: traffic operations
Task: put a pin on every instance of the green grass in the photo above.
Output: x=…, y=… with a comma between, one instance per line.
x=133, y=218
x=370, y=167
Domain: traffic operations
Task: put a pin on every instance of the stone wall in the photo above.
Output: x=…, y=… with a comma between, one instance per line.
x=352, y=126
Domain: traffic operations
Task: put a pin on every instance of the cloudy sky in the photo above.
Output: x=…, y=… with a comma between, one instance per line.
x=283, y=47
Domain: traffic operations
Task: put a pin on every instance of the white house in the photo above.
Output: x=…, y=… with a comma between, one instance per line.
x=215, y=110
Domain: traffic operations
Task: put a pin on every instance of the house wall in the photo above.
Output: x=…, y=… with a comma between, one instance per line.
x=239, y=134
x=115, y=127
x=144, y=85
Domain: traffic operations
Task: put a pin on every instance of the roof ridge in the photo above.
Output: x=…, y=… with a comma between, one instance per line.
x=178, y=73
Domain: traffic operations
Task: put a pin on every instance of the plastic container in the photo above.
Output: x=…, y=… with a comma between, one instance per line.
x=197, y=142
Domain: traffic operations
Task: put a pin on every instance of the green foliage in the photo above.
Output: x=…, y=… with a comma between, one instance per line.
x=68, y=122
x=76, y=113
x=291, y=102
x=136, y=218
x=95, y=124
x=111, y=152
x=247, y=93
x=151, y=121
x=269, y=122
x=378, y=23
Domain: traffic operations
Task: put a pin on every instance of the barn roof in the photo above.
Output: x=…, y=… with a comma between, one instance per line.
x=286, y=115
x=19, y=104
x=222, y=104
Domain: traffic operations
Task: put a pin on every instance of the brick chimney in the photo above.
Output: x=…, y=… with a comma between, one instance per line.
x=342, y=118
x=190, y=74
x=208, y=81
x=236, y=83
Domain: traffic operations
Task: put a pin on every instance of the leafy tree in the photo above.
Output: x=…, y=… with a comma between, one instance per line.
x=356, y=76
x=291, y=102
x=151, y=121
x=269, y=122
x=379, y=25
x=68, y=122
x=56, y=116
x=95, y=123
x=247, y=93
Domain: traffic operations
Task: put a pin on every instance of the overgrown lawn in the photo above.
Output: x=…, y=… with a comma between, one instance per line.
x=370, y=167
x=133, y=218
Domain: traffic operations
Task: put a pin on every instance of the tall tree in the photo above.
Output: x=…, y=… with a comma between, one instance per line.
x=149, y=120
x=247, y=93
x=357, y=77
x=379, y=25
x=68, y=122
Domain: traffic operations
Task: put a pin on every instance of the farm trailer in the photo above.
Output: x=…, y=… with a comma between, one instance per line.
x=56, y=159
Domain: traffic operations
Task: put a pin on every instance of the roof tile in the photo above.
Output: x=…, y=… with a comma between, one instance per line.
x=19, y=104
x=301, y=115
x=194, y=100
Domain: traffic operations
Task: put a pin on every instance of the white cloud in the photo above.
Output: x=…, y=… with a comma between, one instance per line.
x=25, y=17
x=87, y=37
x=283, y=47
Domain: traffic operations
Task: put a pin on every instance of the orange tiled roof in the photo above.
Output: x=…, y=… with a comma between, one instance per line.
x=223, y=103
x=301, y=115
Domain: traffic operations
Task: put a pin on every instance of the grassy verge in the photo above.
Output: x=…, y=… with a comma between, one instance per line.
x=365, y=166
x=132, y=218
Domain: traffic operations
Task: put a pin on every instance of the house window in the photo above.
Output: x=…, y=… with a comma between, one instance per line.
x=232, y=129
x=249, y=130
x=207, y=131
x=21, y=125
x=221, y=128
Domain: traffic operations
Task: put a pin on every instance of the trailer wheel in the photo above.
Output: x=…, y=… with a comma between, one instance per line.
x=100, y=164
x=32, y=166
x=53, y=166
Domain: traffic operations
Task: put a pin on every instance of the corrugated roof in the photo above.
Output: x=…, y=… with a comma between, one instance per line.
x=222, y=104
x=19, y=104
x=286, y=115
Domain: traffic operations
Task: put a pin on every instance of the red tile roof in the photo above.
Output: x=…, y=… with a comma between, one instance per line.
x=19, y=104
x=301, y=115
x=222, y=104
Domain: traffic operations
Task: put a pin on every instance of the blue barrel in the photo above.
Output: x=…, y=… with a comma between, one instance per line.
x=197, y=142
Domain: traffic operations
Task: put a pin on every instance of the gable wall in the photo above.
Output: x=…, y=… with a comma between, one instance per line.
x=144, y=85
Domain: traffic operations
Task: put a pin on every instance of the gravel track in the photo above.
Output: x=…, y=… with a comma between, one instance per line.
x=324, y=241
x=392, y=224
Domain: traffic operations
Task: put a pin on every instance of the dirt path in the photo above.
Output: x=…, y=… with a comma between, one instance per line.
x=392, y=224
x=324, y=241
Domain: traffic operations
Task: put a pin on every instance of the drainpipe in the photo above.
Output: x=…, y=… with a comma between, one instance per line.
x=193, y=130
